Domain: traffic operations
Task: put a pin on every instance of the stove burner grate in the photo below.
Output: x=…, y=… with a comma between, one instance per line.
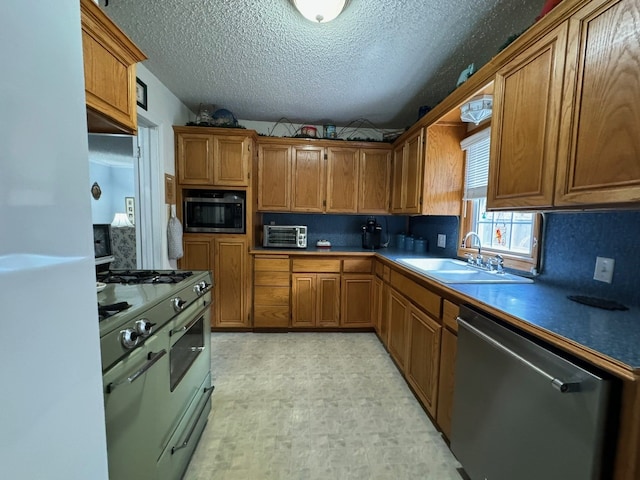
x=133, y=277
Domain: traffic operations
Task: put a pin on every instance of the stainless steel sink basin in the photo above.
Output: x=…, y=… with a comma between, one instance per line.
x=449, y=270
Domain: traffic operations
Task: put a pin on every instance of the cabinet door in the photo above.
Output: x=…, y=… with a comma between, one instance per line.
x=373, y=196
x=396, y=189
x=446, y=381
x=357, y=300
x=109, y=73
x=398, y=331
x=525, y=125
x=274, y=178
x=424, y=357
x=599, y=157
x=195, y=158
x=376, y=313
x=384, y=314
x=328, y=299
x=303, y=301
x=198, y=253
x=342, y=179
x=231, y=159
x=413, y=173
x=231, y=285
x=308, y=177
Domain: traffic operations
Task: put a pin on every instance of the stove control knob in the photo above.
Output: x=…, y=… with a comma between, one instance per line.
x=178, y=304
x=205, y=286
x=129, y=338
x=198, y=289
x=144, y=327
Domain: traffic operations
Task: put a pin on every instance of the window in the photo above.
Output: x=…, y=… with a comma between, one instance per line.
x=513, y=235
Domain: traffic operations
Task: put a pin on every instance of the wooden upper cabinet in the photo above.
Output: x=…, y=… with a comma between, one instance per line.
x=110, y=59
x=231, y=160
x=213, y=156
x=307, y=179
x=407, y=180
x=525, y=125
x=274, y=178
x=373, y=186
x=342, y=179
x=599, y=155
x=194, y=157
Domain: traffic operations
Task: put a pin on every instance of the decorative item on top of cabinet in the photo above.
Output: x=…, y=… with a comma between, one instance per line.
x=110, y=59
x=213, y=156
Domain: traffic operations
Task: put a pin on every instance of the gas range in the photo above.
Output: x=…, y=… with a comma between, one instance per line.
x=136, y=302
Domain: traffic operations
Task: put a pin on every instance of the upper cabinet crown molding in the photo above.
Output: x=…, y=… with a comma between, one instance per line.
x=110, y=59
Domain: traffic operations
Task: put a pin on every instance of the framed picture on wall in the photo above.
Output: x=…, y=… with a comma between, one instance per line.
x=130, y=209
x=141, y=93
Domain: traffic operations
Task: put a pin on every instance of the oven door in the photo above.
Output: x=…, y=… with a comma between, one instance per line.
x=133, y=417
x=189, y=359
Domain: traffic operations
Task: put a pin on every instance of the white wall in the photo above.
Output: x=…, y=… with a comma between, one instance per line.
x=164, y=110
x=51, y=412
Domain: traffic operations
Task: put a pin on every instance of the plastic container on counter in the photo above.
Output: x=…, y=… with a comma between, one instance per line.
x=420, y=245
x=408, y=243
x=400, y=237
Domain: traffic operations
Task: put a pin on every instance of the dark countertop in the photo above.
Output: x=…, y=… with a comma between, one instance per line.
x=613, y=334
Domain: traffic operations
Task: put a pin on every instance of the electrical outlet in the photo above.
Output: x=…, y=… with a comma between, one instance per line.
x=442, y=240
x=604, y=269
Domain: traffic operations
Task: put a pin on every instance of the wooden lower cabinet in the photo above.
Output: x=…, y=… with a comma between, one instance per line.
x=271, y=291
x=227, y=258
x=376, y=297
x=356, y=304
x=424, y=357
x=315, y=299
x=446, y=381
x=398, y=327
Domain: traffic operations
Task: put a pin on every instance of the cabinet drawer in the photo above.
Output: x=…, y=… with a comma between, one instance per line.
x=271, y=316
x=422, y=297
x=315, y=265
x=265, y=264
x=450, y=314
x=275, y=279
x=271, y=296
x=357, y=265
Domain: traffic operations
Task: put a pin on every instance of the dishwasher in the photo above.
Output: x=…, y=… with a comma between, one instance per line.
x=524, y=411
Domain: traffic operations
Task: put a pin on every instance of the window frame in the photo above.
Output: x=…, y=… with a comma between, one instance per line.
x=526, y=263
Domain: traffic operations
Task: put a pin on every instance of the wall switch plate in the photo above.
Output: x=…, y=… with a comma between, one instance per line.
x=604, y=269
x=442, y=240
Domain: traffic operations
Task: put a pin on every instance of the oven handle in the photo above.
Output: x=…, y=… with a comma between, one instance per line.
x=557, y=383
x=152, y=359
x=191, y=323
x=207, y=391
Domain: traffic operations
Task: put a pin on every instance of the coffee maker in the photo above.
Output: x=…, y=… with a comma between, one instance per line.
x=371, y=234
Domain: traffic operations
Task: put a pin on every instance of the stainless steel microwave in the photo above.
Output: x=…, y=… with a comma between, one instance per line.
x=214, y=211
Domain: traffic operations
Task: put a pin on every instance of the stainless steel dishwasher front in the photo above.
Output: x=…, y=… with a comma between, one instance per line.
x=521, y=411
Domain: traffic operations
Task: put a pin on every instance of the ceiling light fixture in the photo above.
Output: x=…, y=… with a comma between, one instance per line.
x=321, y=11
x=477, y=109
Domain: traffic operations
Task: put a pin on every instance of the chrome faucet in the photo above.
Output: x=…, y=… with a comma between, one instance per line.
x=478, y=260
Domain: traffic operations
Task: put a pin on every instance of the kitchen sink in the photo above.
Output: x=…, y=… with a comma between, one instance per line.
x=449, y=270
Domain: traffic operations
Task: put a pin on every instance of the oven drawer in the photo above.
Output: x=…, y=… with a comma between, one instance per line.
x=175, y=458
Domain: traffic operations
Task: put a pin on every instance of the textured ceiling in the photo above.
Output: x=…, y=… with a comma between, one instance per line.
x=380, y=60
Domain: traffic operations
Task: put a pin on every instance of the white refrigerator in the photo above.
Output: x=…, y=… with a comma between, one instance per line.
x=51, y=407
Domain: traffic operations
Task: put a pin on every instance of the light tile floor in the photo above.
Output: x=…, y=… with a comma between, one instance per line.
x=314, y=406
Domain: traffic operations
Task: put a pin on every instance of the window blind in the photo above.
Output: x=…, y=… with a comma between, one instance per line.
x=476, y=148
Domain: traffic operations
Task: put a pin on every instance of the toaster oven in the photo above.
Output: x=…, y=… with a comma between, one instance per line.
x=284, y=236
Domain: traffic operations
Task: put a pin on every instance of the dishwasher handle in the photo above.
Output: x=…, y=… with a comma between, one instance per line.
x=558, y=384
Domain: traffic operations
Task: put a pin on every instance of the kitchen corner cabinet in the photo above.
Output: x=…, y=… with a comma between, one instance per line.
x=213, y=156
x=566, y=117
x=227, y=257
x=271, y=291
x=110, y=59
x=356, y=306
x=407, y=175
